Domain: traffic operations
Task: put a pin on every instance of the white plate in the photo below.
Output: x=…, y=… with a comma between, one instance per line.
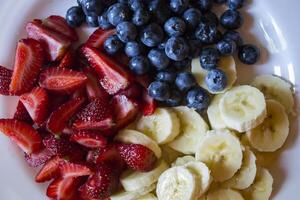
x=273, y=25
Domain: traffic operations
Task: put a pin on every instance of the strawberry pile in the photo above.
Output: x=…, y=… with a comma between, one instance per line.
x=72, y=101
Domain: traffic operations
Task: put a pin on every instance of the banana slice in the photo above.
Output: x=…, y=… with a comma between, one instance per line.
x=273, y=132
x=214, y=114
x=148, y=197
x=276, y=88
x=221, y=152
x=176, y=183
x=169, y=154
x=227, y=64
x=132, y=181
x=246, y=175
x=193, y=128
x=181, y=161
x=135, y=137
x=122, y=195
x=224, y=194
x=203, y=197
x=162, y=126
x=261, y=189
x=243, y=108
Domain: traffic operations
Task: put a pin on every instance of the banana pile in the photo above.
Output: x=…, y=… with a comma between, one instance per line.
x=214, y=159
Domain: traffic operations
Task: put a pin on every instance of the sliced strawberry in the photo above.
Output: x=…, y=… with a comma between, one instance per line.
x=55, y=44
x=89, y=139
x=50, y=170
x=68, y=60
x=80, y=93
x=97, y=115
x=134, y=91
x=68, y=169
x=98, y=38
x=26, y=137
x=63, y=188
x=62, y=80
x=112, y=76
x=143, y=80
x=59, y=118
x=60, y=25
x=122, y=59
x=148, y=104
x=38, y=158
x=37, y=104
x=137, y=157
x=5, y=79
x=22, y=114
x=28, y=64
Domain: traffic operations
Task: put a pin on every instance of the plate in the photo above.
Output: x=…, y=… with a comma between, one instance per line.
x=272, y=25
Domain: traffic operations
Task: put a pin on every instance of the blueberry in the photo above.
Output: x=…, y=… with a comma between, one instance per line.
x=141, y=17
x=103, y=21
x=209, y=58
x=168, y=76
x=177, y=48
x=216, y=80
x=123, y=1
x=236, y=4
x=152, y=35
x=178, y=6
x=80, y=2
x=118, y=13
x=220, y=1
x=75, y=16
x=92, y=21
x=158, y=59
x=133, y=49
x=195, y=48
x=185, y=81
x=231, y=19
x=206, y=33
x=181, y=65
x=159, y=90
x=175, y=27
x=175, y=98
x=126, y=31
x=160, y=10
x=112, y=45
x=198, y=99
x=249, y=54
x=210, y=18
x=107, y=3
x=204, y=5
x=136, y=4
x=192, y=17
x=226, y=47
x=92, y=7
x=139, y=65
x=235, y=36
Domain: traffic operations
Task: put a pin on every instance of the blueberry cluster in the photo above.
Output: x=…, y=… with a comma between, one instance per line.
x=161, y=37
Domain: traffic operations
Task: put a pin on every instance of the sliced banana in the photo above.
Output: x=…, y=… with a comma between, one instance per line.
x=227, y=64
x=122, y=195
x=132, y=181
x=261, y=189
x=221, y=152
x=176, y=183
x=243, y=108
x=276, y=88
x=193, y=128
x=169, y=154
x=246, y=175
x=181, y=161
x=273, y=132
x=149, y=196
x=136, y=137
x=214, y=114
x=162, y=126
x=224, y=194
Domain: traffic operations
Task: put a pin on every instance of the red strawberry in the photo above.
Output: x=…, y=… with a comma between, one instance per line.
x=122, y=59
x=143, y=80
x=22, y=114
x=89, y=139
x=98, y=38
x=28, y=64
x=63, y=188
x=97, y=115
x=112, y=76
x=80, y=93
x=68, y=169
x=58, y=120
x=50, y=170
x=68, y=60
x=5, y=79
x=55, y=44
x=38, y=158
x=26, y=137
x=60, y=25
x=37, y=104
x=137, y=157
x=134, y=91
x=148, y=104
x=62, y=80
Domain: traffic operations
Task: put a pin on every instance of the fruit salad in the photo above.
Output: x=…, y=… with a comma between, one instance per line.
x=148, y=108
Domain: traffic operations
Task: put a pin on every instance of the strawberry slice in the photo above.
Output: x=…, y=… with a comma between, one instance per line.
x=5, y=79
x=63, y=188
x=134, y=91
x=59, y=118
x=112, y=76
x=26, y=137
x=50, y=170
x=60, y=25
x=55, y=44
x=149, y=105
x=97, y=115
x=68, y=169
x=122, y=59
x=68, y=60
x=28, y=64
x=98, y=38
x=22, y=114
x=38, y=158
x=89, y=139
x=36, y=103
x=62, y=80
